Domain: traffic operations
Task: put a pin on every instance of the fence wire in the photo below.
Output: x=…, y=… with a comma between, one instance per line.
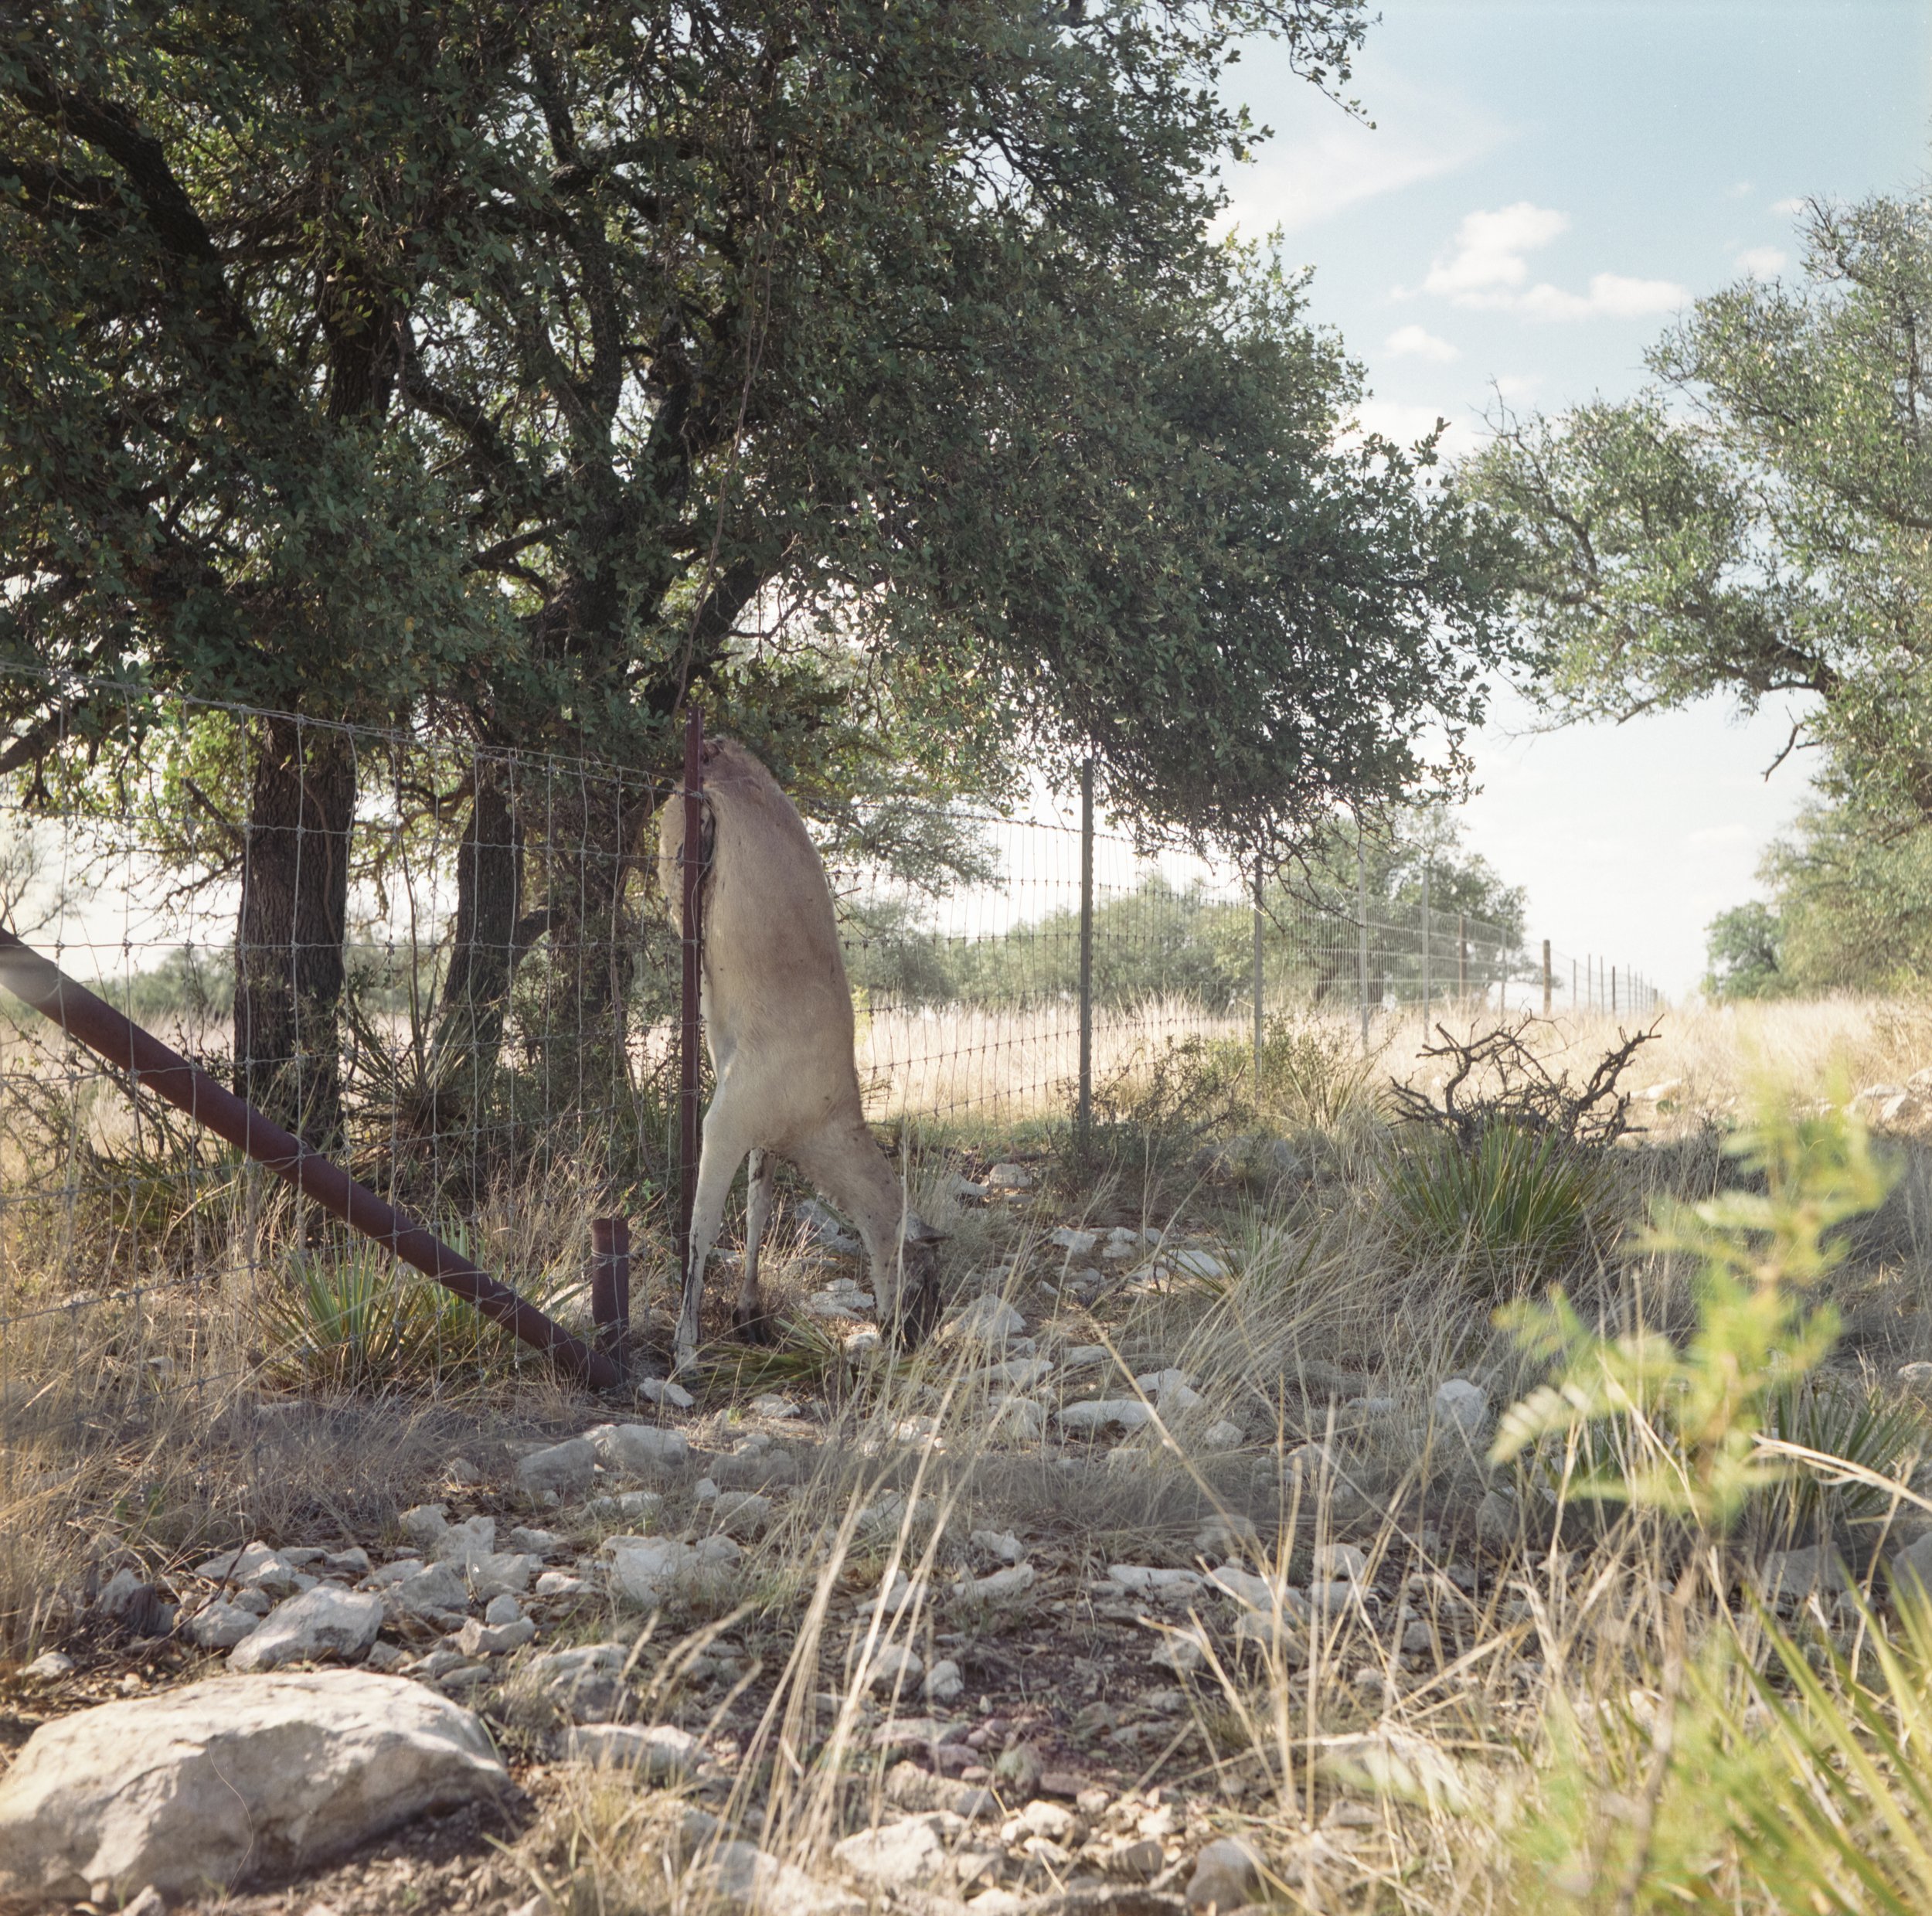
x=446, y=966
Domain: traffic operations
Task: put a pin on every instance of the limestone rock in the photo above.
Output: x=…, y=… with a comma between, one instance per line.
x=220, y=1625
x=189, y=1789
x=1227, y=1874
x=1129, y=1414
x=987, y=1320
x=741, y=1877
x=565, y=1467
x=1463, y=1404
x=51, y=1665
x=651, y=1570
x=641, y=1450
x=322, y=1622
x=910, y=1853
x=658, y=1752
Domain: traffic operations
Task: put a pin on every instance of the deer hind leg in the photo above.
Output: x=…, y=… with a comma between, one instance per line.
x=749, y=1313
x=727, y=1139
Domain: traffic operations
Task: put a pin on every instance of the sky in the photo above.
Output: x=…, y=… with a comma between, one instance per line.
x=1547, y=182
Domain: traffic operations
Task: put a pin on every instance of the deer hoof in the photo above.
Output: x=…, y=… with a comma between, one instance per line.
x=754, y=1325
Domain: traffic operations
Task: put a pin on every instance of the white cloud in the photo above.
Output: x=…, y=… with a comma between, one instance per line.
x=1338, y=162
x=1488, y=267
x=1489, y=256
x=1611, y=296
x=1513, y=385
x=1761, y=262
x=1788, y=207
x=1418, y=343
x=1405, y=424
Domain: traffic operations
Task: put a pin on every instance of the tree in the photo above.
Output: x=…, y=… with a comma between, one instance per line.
x=1757, y=522
x=519, y=368
x=207, y=215
x=1743, y=948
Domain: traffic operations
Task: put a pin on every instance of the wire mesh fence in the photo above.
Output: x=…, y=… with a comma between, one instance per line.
x=445, y=966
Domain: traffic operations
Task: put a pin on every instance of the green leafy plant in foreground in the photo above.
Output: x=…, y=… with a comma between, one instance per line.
x=1652, y=1813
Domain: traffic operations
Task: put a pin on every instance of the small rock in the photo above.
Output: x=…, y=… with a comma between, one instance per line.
x=641, y=1450
x=1340, y=1562
x=426, y=1590
x=321, y=1622
x=1079, y=1242
x=1002, y=1544
x=943, y=1682
x=1916, y=1377
x=494, y=1639
x=462, y=1471
x=1496, y=1519
x=1143, y=1580
x=1179, y=1651
x=1463, y=1404
x=740, y=1876
x=1002, y=1586
x=1227, y=1874
x=662, y=1390
x=1128, y=1414
x=423, y=1524
x=1083, y=1356
x=503, y=1609
x=1911, y=1570
x=1801, y=1574
x=1196, y=1263
x=1010, y=1177
x=772, y=1407
x=533, y=1543
x=987, y=1320
x=220, y=1625
x=1256, y=1593
x=741, y=1512
x=51, y=1665
x=565, y=1467
x=1223, y=1435
x=1016, y=1771
x=464, y=1543
x=1019, y=1421
x=894, y=1666
x=1137, y=1858
x=660, y=1753
x=556, y=1583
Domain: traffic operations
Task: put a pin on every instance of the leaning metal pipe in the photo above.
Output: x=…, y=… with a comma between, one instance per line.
x=153, y=1065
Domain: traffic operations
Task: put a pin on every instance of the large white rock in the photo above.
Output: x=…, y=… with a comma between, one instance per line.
x=464, y=1543
x=195, y=1788
x=220, y=1625
x=741, y=1877
x=324, y=1621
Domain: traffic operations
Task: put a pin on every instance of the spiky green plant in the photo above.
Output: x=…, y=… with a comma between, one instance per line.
x=1517, y=1206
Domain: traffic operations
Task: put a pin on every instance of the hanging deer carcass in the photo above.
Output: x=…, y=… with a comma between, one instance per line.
x=778, y=1024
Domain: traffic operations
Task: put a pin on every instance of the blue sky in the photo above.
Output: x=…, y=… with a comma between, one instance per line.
x=1547, y=182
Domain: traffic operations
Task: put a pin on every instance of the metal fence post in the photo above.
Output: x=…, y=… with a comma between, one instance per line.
x=691, y=875
x=1546, y=982
x=1425, y=950
x=1361, y=942
x=1462, y=961
x=1257, y=975
x=1086, y=1113
x=1613, y=991
x=610, y=1285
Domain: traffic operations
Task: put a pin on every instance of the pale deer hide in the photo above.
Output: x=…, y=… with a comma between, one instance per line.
x=778, y=1024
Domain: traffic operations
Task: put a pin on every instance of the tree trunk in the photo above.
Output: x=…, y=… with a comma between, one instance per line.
x=294, y=918
x=489, y=935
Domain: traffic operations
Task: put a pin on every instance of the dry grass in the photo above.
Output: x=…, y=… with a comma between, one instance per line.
x=1467, y=1741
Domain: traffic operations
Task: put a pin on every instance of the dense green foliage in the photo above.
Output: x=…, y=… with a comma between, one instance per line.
x=871, y=368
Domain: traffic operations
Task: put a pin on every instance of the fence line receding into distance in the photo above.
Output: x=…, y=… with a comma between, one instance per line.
x=446, y=968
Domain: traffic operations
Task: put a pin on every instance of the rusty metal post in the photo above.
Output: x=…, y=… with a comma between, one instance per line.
x=152, y=1067
x=691, y=877
x=610, y=1285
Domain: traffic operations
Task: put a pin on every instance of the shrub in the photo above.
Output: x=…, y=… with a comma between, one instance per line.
x=1514, y=1207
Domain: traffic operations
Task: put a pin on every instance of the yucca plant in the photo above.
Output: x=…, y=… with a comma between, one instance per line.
x=1515, y=1207
x=350, y=1318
